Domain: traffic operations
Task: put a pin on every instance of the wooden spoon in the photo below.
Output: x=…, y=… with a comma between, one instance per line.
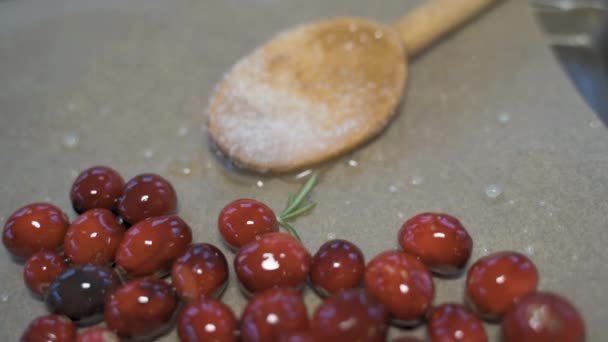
x=320, y=90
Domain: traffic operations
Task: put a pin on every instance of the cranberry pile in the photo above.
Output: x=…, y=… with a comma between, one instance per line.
x=113, y=262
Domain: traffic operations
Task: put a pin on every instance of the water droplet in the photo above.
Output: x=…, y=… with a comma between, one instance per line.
x=493, y=191
x=259, y=184
x=182, y=131
x=504, y=118
x=485, y=251
x=392, y=188
x=417, y=180
x=148, y=153
x=595, y=124
x=353, y=163
x=71, y=140
x=186, y=170
x=331, y=236
x=4, y=297
x=303, y=174
x=400, y=215
x=529, y=250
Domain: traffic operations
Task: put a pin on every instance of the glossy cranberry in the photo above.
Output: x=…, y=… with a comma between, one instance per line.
x=35, y=227
x=150, y=246
x=297, y=336
x=272, y=260
x=496, y=281
x=96, y=187
x=543, y=317
x=337, y=265
x=80, y=292
x=439, y=240
x=147, y=195
x=201, y=271
x=50, y=328
x=271, y=313
x=242, y=220
x=141, y=308
x=350, y=315
x=41, y=269
x=454, y=323
x=402, y=283
x=207, y=319
x=93, y=238
x=98, y=334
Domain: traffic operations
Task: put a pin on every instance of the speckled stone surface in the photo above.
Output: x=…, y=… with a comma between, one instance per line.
x=126, y=84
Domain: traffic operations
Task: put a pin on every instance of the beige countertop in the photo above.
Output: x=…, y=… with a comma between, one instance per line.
x=126, y=84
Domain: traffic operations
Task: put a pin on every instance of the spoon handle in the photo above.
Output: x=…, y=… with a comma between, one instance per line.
x=431, y=21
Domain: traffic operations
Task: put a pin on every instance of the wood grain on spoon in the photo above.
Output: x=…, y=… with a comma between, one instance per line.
x=320, y=90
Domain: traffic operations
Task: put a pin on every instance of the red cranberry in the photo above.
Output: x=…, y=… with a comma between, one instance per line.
x=93, y=238
x=150, y=246
x=337, y=265
x=272, y=260
x=297, y=336
x=96, y=187
x=81, y=291
x=98, y=334
x=49, y=328
x=350, y=315
x=454, y=323
x=439, y=240
x=33, y=228
x=496, y=281
x=242, y=220
x=271, y=313
x=141, y=308
x=201, y=271
x=402, y=283
x=41, y=269
x=207, y=319
x=147, y=195
x=543, y=317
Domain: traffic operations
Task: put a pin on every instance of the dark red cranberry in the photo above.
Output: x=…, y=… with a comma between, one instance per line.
x=272, y=260
x=207, y=319
x=201, y=271
x=150, y=246
x=402, y=283
x=271, y=313
x=439, y=240
x=80, y=292
x=50, y=328
x=98, y=334
x=338, y=265
x=543, y=317
x=96, y=187
x=141, y=308
x=41, y=269
x=147, y=195
x=498, y=280
x=350, y=315
x=454, y=323
x=297, y=336
x=93, y=238
x=242, y=220
x=35, y=227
